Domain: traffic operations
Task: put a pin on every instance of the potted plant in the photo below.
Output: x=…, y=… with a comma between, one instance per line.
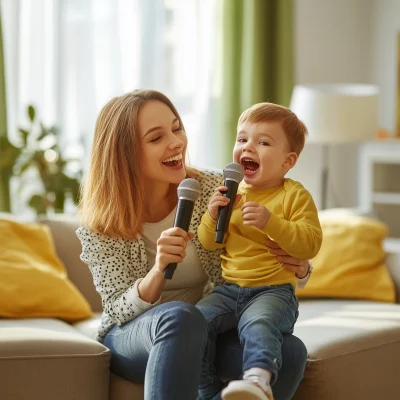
x=40, y=151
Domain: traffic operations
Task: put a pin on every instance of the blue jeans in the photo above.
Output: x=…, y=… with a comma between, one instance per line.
x=261, y=315
x=161, y=347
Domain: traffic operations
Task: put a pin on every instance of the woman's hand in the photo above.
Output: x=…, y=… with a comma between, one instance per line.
x=171, y=247
x=293, y=264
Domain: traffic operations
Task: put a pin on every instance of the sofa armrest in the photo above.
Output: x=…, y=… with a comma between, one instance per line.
x=393, y=264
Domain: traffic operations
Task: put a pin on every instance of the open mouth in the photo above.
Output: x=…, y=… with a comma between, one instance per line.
x=173, y=161
x=249, y=165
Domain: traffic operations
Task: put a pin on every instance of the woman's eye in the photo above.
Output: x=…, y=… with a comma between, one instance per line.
x=156, y=139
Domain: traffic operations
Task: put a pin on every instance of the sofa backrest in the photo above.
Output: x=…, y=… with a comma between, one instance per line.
x=69, y=248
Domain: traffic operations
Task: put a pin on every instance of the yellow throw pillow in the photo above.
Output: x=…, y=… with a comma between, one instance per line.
x=350, y=263
x=33, y=280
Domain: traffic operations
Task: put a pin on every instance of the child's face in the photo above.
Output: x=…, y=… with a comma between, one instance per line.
x=263, y=151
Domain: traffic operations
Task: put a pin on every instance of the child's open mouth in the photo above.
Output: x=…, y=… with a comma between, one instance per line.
x=249, y=166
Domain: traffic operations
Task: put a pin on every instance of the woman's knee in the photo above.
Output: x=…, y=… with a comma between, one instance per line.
x=186, y=317
x=294, y=352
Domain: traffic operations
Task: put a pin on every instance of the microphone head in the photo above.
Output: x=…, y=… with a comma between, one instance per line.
x=233, y=172
x=189, y=189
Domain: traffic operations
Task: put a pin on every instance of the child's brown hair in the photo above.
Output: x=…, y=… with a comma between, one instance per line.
x=295, y=130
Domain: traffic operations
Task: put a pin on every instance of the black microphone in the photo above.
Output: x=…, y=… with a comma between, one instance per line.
x=188, y=193
x=233, y=174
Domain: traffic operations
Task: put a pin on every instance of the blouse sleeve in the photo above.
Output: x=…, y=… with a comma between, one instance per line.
x=302, y=282
x=114, y=275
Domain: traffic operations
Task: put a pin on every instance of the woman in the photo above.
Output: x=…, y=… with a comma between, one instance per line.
x=151, y=326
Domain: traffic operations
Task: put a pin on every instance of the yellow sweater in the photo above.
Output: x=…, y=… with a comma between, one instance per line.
x=293, y=224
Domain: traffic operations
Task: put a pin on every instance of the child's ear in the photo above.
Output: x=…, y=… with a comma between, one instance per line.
x=290, y=161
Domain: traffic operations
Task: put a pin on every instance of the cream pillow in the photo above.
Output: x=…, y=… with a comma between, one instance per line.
x=350, y=263
x=33, y=280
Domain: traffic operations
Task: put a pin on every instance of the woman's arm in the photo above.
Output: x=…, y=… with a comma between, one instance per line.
x=302, y=268
x=171, y=248
x=126, y=288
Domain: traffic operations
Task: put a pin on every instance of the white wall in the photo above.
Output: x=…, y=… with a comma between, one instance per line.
x=383, y=57
x=339, y=41
x=332, y=40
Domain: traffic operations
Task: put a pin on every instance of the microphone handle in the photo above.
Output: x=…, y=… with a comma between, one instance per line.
x=182, y=220
x=224, y=213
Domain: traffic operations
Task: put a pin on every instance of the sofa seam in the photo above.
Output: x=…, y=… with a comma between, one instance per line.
x=56, y=356
x=351, y=352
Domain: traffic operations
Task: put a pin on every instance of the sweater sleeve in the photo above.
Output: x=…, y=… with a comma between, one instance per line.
x=116, y=279
x=206, y=233
x=299, y=233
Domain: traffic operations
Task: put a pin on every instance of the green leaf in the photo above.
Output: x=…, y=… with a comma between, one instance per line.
x=43, y=132
x=38, y=203
x=24, y=135
x=31, y=113
x=54, y=129
x=59, y=202
x=8, y=153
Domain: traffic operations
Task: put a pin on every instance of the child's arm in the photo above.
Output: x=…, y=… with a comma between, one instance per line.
x=300, y=233
x=206, y=233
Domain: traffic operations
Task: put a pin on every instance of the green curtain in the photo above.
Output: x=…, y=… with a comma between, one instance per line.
x=255, y=61
x=4, y=171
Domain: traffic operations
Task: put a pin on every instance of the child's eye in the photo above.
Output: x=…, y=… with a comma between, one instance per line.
x=263, y=143
x=176, y=130
x=242, y=140
x=156, y=139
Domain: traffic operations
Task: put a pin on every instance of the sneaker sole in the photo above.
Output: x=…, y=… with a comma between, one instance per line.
x=233, y=392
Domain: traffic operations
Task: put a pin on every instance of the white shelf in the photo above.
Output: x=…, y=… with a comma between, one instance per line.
x=392, y=245
x=386, y=198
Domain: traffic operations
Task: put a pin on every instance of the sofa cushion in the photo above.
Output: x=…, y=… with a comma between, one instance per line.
x=68, y=248
x=33, y=280
x=349, y=342
x=48, y=359
x=350, y=263
x=89, y=327
x=121, y=389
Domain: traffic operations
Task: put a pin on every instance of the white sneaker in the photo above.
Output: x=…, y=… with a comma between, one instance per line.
x=245, y=390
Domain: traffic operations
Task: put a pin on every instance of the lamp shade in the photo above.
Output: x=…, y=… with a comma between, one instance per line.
x=337, y=113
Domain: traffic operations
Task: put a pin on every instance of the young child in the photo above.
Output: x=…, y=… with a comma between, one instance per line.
x=258, y=296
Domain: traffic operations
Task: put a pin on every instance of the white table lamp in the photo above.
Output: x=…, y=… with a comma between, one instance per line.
x=336, y=113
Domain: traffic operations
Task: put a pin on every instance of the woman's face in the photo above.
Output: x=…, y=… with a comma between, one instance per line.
x=163, y=142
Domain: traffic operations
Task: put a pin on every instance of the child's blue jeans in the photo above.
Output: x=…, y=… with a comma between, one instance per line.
x=261, y=315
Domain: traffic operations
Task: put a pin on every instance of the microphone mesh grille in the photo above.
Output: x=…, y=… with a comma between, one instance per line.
x=189, y=189
x=234, y=172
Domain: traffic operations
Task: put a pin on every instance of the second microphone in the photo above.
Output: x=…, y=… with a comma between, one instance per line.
x=233, y=175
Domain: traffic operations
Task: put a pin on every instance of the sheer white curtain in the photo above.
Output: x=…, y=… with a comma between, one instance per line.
x=69, y=57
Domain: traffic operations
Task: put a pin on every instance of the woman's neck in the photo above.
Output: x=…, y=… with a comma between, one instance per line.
x=159, y=202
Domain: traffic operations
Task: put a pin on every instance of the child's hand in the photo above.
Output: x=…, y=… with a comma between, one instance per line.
x=255, y=214
x=219, y=200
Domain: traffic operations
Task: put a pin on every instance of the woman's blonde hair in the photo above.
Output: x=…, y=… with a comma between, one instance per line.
x=112, y=193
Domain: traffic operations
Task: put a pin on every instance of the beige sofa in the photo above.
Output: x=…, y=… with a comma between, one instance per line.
x=354, y=346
